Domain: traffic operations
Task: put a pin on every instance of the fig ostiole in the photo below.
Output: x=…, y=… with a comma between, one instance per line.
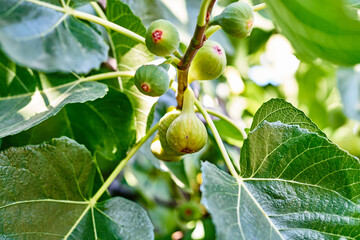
x=209, y=62
x=187, y=134
x=159, y=152
x=152, y=80
x=162, y=38
x=237, y=19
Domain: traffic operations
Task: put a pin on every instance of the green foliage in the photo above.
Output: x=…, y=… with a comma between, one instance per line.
x=285, y=185
x=50, y=41
x=27, y=98
x=57, y=178
x=76, y=157
x=319, y=29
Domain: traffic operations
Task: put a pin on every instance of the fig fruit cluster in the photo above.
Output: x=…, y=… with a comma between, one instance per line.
x=237, y=19
x=180, y=132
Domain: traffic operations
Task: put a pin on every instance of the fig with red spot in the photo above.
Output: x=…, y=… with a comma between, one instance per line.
x=209, y=62
x=237, y=19
x=152, y=80
x=189, y=211
x=162, y=38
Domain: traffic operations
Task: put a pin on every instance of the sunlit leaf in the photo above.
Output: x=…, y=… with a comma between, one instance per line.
x=319, y=29
x=130, y=55
x=42, y=38
x=28, y=98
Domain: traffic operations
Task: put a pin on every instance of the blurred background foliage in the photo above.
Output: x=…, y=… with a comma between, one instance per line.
x=260, y=67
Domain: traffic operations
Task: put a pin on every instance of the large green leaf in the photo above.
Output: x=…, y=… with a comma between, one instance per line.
x=294, y=184
x=319, y=28
x=105, y=126
x=45, y=195
x=349, y=88
x=28, y=98
x=42, y=38
x=279, y=110
x=130, y=55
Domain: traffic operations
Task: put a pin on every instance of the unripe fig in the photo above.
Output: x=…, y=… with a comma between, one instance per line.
x=152, y=80
x=209, y=62
x=187, y=134
x=162, y=38
x=237, y=19
x=164, y=124
x=189, y=211
x=162, y=154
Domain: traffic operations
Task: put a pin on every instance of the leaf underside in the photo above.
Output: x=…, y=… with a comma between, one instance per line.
x=44, y=39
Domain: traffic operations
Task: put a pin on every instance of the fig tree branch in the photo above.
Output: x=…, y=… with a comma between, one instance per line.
x=196, y=43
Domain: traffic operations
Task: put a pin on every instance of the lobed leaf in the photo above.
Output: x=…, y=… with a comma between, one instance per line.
x=279, y=110
x=45, y=39
x=294, y=184
x=28, y=98
x=46, y=191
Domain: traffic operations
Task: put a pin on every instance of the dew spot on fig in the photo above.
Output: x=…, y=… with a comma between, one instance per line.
x=145, y=87
x=156, y=35
x=218, y=50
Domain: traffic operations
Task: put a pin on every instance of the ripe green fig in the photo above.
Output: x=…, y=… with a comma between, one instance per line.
x=187, y=134
x=152, y=80
x=237, y=19
x=162, y=38
x=162, y=154
x=209, y=62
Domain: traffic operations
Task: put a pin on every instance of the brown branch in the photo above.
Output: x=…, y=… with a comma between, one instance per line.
x=196, y=43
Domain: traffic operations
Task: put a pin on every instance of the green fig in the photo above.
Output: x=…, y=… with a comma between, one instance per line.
x=189, y=211
x=209, y=62
x=237, y=19
x=152, y=80
x=162, y=38
x=187, y=134
x=159, y=152
x=164, y=124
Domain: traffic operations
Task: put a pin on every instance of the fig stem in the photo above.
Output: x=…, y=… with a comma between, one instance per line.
x=189, y=98
x=101, y=14
x=259, y=7
x=229, y=120
x=91, y=18
x=123, y=163
x=196, y=43
x=108, y=75
x=211, y=30
x=218, y=140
